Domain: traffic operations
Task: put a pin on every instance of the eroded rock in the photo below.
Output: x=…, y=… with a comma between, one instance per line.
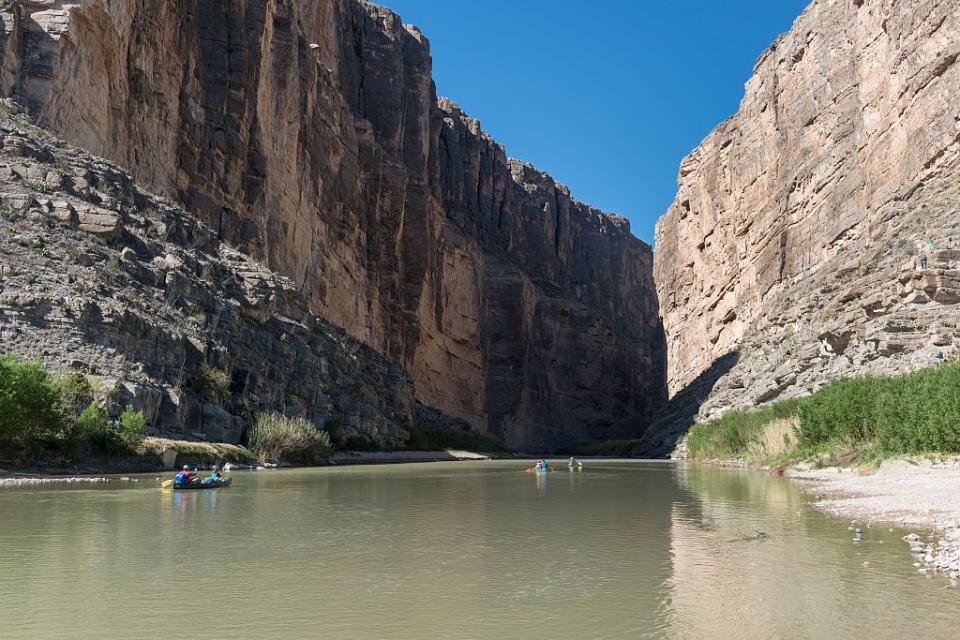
x=322, y=150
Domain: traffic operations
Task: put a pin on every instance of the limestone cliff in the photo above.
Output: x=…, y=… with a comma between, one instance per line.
x=309, y=135
x=814, y=233
x=99, y=276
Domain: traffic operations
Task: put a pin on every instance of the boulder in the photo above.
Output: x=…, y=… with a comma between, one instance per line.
x=99, y=222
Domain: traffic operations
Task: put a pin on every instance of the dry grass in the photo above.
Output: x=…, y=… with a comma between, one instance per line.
x=275, y=437
x=211, y=452
x=775, y=439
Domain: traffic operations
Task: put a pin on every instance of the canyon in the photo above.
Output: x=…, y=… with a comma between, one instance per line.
x=309, y=136
x=815, y=233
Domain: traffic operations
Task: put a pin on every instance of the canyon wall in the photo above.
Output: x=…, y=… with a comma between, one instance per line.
x=100, y=277
x=308, y=134
x=815, y=233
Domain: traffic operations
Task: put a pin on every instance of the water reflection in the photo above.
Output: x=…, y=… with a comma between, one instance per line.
x=623, y=550
x=750, y=556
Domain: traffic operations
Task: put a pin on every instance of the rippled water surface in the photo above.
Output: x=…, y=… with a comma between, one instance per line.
x=456, y=550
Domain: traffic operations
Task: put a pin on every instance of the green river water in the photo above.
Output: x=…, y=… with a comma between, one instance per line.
x=455, y=550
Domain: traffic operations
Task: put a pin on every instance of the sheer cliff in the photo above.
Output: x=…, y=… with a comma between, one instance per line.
x=815, y=233
x=102, y=277
x=308, y=134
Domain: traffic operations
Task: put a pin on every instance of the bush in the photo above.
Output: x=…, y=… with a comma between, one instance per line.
x=917, y=412
x=275, y=437
x=842, y=411
x=912, y=413
x=92, y=419
x=213, y=384
x=732, y=434
x=94, y=431
x=31, y=406
x=39, y=413
x=132, y=427
x=920, y=412
x=77, y=393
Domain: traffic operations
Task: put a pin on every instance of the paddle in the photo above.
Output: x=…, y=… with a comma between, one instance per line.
x=165, y=484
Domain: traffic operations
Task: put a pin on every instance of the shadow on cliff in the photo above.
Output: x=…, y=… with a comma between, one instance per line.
x=673, y=420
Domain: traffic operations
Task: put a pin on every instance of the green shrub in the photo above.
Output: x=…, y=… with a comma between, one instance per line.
x=843, y=410
x=93, y=418
x=77, y=394
x=31, y=406
x=875, y=416
x=132, y=427
x=92, y=429
x=920, y=412
x=94, y=432
x=731, y=435
x=275, y=437
x=213, y=384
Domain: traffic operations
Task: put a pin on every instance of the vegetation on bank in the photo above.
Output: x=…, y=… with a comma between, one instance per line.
x=275, y=437
x=867, y=418
x=43, y=415
x=60, y=420
x=198, y=453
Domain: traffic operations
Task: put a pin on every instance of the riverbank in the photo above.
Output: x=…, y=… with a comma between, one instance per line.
x=160, y=455
x=907, y=492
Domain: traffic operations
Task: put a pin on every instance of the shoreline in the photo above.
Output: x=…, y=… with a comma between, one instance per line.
x=94, y=472
x=906, y=492
x=903, y=492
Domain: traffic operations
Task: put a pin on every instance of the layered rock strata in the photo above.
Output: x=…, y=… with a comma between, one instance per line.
x=102, y=277
x=309, y=135
x=815, y=232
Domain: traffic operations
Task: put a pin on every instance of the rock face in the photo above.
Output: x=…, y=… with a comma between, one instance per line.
x=814, y=233
x=309, y=135
x=99, y=276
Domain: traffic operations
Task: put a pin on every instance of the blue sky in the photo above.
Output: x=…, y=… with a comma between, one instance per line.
x=606, y=96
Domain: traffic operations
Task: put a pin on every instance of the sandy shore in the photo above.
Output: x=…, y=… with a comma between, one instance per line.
x=908, y=493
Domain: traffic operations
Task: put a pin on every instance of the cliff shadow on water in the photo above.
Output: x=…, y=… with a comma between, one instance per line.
x=679, y=413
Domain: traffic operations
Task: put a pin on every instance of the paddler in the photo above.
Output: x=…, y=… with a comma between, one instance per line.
x=185, y=477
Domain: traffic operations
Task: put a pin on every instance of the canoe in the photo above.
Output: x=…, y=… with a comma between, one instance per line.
x=215, y=484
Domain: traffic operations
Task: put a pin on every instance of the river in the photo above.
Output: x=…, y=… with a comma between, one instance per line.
x=455, y=550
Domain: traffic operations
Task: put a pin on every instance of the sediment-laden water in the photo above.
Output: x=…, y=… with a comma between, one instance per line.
x=455, y=550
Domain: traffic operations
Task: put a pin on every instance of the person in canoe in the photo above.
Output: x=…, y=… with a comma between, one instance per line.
x=185, y=477
x=573, y=464
x=215, y=475
x=543, y=465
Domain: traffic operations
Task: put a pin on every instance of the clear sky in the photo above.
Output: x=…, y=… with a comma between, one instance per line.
x=606, y=96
